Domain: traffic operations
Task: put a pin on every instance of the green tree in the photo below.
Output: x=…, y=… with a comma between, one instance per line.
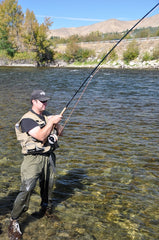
x=157, y=32
x=94, y=36
x=142, y=33
x=35, y=38
x=43, y=45
x=11, y=19
x=4, y=42
x=29, y=28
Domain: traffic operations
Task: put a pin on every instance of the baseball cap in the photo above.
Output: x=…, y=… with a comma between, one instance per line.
x=40, y=95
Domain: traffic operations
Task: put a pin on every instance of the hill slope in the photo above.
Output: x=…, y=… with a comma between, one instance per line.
x=112, y=25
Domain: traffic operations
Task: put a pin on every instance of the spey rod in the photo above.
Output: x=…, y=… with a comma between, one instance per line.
x=95, y=69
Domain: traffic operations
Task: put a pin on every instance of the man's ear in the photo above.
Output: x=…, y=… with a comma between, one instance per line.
x=33, y=101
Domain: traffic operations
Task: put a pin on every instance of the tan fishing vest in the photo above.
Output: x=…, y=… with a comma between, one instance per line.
x=29, y=144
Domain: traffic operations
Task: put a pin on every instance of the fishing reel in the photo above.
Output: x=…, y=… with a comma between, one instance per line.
x=52, y=139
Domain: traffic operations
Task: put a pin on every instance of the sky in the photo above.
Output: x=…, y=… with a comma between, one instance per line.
x=77, y=13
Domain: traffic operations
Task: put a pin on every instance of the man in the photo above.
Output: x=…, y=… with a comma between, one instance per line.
x=38, y=133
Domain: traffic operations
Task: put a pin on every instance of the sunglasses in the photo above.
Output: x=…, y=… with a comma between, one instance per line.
x=43, y=101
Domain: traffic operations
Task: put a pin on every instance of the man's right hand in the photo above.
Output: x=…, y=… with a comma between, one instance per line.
x=55, y=119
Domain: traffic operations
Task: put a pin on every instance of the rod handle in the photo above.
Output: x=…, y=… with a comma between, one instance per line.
x=63, y=111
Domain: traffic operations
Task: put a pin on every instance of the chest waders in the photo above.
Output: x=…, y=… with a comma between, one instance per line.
x=36, y=166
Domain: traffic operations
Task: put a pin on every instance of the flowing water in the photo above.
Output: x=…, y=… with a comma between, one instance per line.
x=107, y=184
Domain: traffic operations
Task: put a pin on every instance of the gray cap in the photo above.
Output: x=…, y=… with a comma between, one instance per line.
x=40, y=95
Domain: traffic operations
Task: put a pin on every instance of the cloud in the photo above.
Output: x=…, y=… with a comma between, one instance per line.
x=73, y=19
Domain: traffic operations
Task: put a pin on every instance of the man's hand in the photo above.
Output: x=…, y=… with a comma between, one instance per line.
x=55, y=119
x=41, y=134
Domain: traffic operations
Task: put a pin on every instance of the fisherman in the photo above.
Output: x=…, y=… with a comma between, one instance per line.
x=38, y=133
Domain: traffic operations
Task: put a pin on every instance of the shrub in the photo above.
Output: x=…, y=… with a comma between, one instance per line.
x=155, y=54
x=25, y=56
x=132, y=52
x=146, y=57
x=83, y=54
x=113, y=56
x=3, y=54
x=75, y=53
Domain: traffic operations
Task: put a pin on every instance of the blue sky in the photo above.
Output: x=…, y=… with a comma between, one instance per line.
x=76, y=13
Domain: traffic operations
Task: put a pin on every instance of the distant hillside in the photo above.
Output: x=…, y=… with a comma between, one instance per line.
x=108, y=26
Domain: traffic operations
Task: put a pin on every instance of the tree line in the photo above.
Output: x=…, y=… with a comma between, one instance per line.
x=22, y=37
x=99, y=36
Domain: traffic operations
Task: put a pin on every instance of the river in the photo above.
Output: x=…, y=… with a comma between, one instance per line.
x=107, y=184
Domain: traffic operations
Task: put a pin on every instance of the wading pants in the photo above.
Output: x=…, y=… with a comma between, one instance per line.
x=35, y=167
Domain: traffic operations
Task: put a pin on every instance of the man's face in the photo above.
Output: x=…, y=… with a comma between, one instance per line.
x=39, y=106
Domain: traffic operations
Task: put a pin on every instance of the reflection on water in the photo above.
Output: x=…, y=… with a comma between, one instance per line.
x=107, y=163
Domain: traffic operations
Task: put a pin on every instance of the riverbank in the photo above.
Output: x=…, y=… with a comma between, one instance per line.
x=154, y=64
x=136, y=64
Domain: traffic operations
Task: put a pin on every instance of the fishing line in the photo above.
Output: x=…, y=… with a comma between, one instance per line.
x=96, y=69
x=75, y=105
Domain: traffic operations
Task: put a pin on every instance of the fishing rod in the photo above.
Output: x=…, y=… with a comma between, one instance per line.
x=96, y=68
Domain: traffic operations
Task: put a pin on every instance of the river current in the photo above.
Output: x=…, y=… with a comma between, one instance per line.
x=107, y=184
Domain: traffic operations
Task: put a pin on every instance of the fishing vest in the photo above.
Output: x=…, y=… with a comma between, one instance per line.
x=29, y=144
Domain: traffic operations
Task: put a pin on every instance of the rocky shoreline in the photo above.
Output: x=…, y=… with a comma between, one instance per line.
x=118, y=64
x=136, y=64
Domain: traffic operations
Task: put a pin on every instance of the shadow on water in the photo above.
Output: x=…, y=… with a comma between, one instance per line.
x=66, y=185
x=6, y=203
